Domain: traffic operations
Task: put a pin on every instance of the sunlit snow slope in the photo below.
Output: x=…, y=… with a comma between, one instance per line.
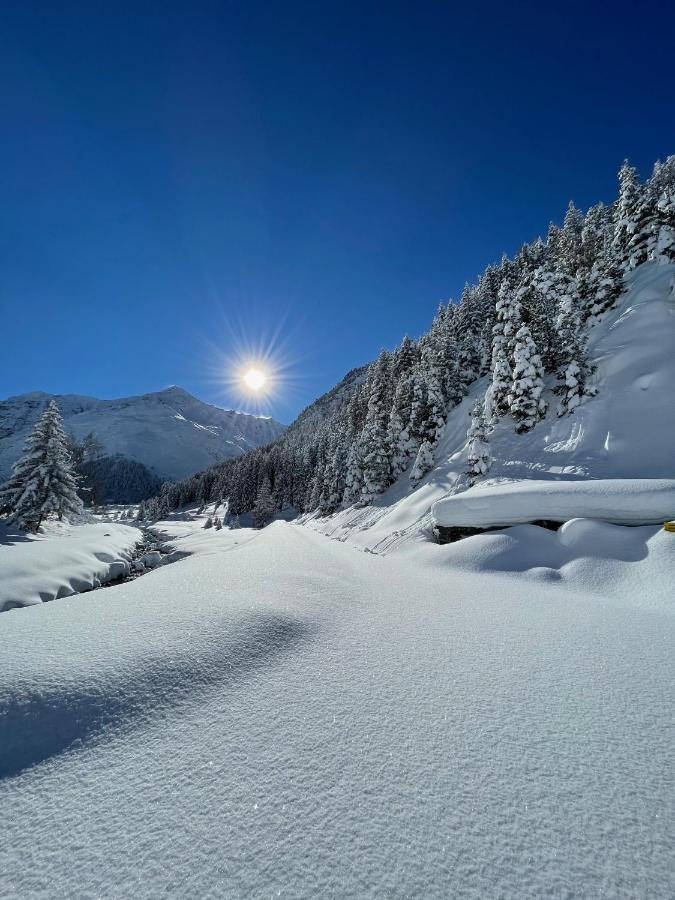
x=283, y=716
x=626, y=431
x=170, y=431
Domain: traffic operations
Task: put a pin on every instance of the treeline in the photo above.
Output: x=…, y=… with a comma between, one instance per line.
x=524, y=324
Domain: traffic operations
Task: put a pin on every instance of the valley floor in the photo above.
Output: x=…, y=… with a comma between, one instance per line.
x=279, y=714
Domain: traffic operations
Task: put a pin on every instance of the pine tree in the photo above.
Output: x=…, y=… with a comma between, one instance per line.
x=508, y=318
x=398, y=441
x=374, y=448
x=420, y=412
x=479, y=458
x=574, y=368
x=264, y=506
x=525, y=399
x=424, y=461
x=43, y=483
x=570, y=250
x=625, y=214
x=353, y=476
x=664, y=226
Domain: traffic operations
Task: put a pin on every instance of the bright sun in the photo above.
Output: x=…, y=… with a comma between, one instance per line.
x=254, y=379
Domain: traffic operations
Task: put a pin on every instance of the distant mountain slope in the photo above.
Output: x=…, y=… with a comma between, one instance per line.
x=170, y=431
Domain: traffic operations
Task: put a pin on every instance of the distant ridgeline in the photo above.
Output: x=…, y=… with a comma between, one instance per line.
x=524, y=324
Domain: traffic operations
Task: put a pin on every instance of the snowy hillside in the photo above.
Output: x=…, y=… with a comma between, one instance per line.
x=170, y=431
x=626, y=431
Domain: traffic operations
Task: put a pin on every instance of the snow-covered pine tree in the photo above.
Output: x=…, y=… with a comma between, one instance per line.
x=353, y=476
x=539, y=298
x=424, y=461
x=334, y=476
x=398, y=442
x=526, y=404
x=664, y=227
x=374, y=446
x=479, y=458
x=43, y=483
x=570, y=249
x=508, y=318
x=264, y=505
x=574, y=367
x=626, y=214
x=418, y=426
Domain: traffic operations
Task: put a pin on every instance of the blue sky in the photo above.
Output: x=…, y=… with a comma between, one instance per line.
x=184, y=184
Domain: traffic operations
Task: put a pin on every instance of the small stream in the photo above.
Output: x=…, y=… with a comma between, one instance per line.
x=148, y=554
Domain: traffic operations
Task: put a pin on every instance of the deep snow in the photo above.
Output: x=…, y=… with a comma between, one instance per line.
x=623, y=501
x=282, y=715
x=62, y=560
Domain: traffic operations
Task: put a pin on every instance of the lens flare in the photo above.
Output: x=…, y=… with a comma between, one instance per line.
x=254, y=379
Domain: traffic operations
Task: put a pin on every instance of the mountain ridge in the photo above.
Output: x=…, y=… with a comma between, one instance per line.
x=170, y=431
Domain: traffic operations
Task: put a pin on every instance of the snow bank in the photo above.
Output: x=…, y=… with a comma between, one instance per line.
x=65, y=560
x=626, y=501
x=632, y=565
x=296, y=718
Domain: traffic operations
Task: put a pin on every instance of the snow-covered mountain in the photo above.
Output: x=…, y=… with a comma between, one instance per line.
x=170, y=431
x=626, y=432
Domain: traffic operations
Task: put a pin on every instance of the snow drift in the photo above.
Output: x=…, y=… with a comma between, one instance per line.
x=62, y=560
x=623, y=501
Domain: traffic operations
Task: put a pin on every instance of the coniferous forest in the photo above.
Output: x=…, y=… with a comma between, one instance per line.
x=523, y=323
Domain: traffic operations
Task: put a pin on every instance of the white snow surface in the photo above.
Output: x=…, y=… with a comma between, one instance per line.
x=282, y=715
x=62, y=560
x=627, y=431
x=623, y=501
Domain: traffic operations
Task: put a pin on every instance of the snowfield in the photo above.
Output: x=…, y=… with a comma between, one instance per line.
x=623, y=501
x=282, y=715
x=62, y=560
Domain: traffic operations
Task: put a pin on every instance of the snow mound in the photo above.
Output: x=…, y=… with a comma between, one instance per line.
x=64, y=560
x=634, y=565
x=624, y=501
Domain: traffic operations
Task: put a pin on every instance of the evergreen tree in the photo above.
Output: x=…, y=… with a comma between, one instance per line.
x=424, y=461
x=664, y=243
x=353, y=476
x=570, y=249
x=574, y=368
x=526, y=403
x=420, y=412
x=508, y=318
x=43, y=482
x=625, y=214
x=264, y=506
x=374, y=447
x=479, y=458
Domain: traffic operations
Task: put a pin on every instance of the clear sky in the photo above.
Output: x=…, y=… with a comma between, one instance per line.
x=185, y=183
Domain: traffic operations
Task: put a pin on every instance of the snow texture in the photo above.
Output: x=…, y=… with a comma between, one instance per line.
x=63, y=560
x=624, y=501
x=282, y=715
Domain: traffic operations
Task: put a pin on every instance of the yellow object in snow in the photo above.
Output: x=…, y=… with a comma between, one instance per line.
x=669, y=526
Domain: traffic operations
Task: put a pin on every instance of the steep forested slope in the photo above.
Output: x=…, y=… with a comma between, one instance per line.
x=529, y=351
